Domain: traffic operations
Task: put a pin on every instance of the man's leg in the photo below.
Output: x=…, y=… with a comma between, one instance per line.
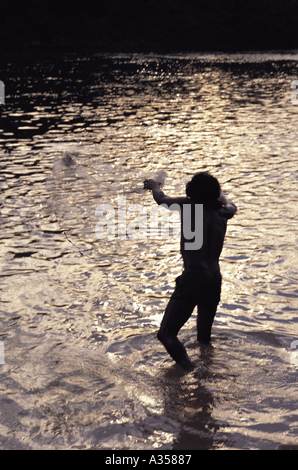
x=205, y=319
x=207, y=306
x=176, y=315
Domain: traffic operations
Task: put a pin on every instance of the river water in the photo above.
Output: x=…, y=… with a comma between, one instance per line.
x=79, y=315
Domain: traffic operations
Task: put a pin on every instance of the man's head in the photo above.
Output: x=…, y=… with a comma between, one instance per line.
x=204, y=189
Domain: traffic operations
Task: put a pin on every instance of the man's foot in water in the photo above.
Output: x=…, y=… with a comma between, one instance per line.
x=186, y=364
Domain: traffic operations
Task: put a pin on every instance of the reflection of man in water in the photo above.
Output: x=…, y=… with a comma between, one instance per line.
x=200, y=283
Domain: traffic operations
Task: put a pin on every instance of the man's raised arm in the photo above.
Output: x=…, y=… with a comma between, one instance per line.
x=160, y=196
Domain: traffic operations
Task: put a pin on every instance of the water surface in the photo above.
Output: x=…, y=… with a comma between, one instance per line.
x=79, y=315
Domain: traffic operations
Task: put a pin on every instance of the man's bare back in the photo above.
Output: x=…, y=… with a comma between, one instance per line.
x=214, y=228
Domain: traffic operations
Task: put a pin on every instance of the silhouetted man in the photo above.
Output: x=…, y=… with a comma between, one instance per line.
x=200, y=283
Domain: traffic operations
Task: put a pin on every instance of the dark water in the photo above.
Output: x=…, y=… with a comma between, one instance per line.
x=79, y=315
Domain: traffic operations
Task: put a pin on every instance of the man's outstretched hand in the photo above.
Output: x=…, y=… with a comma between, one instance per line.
x=151, y=184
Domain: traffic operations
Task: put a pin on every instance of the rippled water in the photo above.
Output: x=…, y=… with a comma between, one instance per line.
x=79, y=315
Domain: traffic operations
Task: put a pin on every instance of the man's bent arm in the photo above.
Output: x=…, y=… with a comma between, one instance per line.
x=229, y=207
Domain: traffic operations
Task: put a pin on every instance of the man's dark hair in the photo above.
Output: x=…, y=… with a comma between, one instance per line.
x=204, y=189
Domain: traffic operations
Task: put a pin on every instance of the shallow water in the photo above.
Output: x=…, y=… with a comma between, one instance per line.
x=79, y=316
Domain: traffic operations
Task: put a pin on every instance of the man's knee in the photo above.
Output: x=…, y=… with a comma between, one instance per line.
x=166, y=339
x=161, y=336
